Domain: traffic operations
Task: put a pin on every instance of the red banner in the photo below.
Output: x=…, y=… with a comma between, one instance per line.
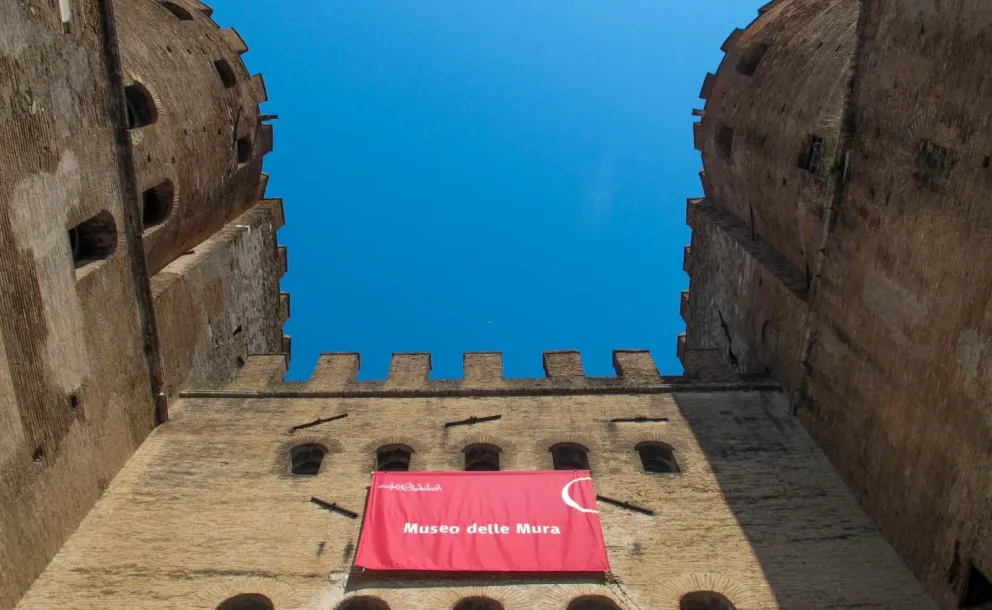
x=509, y=521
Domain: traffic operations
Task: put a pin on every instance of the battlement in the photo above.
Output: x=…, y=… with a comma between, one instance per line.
x=335, y=375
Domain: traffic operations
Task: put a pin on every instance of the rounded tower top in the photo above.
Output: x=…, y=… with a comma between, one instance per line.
x=772, y=115
x=193, y=117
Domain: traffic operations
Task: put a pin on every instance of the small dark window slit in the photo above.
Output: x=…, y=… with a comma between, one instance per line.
x=393, y=458
x=657, y=457
x=481, y=457
x=307, y=459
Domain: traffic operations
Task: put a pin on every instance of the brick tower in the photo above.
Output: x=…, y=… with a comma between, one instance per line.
x=846, y=185
x=137, y=251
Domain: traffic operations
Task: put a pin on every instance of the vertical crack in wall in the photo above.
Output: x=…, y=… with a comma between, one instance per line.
x=731, y=357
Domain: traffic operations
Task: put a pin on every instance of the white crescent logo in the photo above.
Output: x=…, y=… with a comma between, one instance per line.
x=567, y=499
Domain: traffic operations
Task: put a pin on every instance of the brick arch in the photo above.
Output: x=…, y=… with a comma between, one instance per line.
x=672, y=590
x=562, y=595
x=680, y=447
x=283, y=596
x=419, y=448
x=511, y=598
x=283, y=452
x=542, y=449
x=454, y=458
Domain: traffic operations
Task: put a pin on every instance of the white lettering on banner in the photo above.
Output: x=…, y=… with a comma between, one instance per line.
x=413, y=528
x=480, y=529
x=527, y=528
x=409, y=487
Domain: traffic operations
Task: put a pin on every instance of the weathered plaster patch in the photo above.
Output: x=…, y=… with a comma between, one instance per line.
x=39, y=209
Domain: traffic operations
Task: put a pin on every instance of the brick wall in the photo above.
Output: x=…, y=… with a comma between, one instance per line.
x=75, y=384
x=756, y=514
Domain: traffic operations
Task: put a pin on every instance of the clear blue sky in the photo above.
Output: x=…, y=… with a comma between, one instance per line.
x=484, y=175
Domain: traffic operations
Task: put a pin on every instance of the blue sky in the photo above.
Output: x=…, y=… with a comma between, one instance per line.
x=484, y=175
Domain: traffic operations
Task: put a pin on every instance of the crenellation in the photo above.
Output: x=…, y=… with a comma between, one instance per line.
x=335, y=371
x=263, y=184
x=707, y=89
x=409, y=370
x=264, y=142
x=687, y=260
x=259, y=92
x=283, y=255
x=482, y=369
x=684, y=306
x=731, y=40
x=635, y=366
x=691, y=203
x=563, y=365
x=235, y=40
x=284, y=307
x=201, y=7
x=260, y=371
x=278, y=212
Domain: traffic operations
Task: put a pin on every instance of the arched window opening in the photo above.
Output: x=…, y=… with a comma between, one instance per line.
x=225, y=72
x=705, y=600
x=156, y=204
x=140, y=106
x=478, y=603
x=245, y=149
x=93, y=240
x=570, y=456
x=657, y=457
x=725, y=141
x=247, y=601
x=481, y=457
x=751, y=58
x=393, y=458
x=592, y=602
x=363, y=602
x=307, y=459
x=180, y=13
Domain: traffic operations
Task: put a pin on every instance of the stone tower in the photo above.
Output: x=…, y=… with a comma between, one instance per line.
x=846, y=179
x=137, y=250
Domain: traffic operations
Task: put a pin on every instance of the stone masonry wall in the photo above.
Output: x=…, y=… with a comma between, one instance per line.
x=899, y=392
x=75, y=386
x=221, y=302
x=207, y=508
